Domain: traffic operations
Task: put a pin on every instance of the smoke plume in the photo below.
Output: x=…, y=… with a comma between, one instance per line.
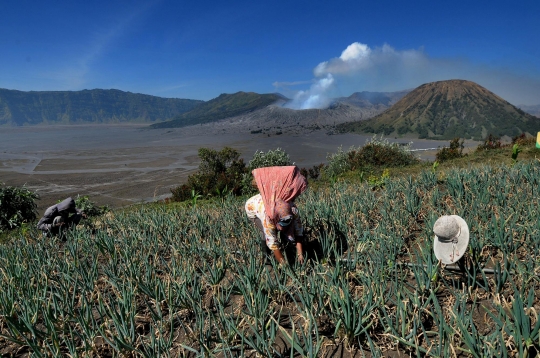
x=315, y=96
x=385, y=69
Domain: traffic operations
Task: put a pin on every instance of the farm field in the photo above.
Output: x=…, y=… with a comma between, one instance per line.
x=188, y=280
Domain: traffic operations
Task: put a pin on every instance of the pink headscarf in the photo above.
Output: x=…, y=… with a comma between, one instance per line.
x=276, y=184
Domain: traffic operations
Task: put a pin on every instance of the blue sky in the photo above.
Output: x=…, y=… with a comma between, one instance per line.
x=308, y=50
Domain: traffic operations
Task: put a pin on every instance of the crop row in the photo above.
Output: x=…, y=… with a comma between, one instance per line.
x=189, y=281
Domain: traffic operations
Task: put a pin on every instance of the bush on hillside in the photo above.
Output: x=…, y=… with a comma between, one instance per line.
x=313, y=172
x=89, y=207
x=277, y=157
x=381, y=153
x=17, y=206
x=523, y=139
x=338, y=163
x=220, y=173
x=490, y=143
x=454, y=151
x=376, y=153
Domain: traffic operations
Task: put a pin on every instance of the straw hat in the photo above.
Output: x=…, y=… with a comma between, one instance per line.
x=451, y=238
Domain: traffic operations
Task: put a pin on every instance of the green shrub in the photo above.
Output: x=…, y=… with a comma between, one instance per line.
x=381, y=153
x=376, y=153
x=220, y=173
x=17, y=206
x=338, y=163
x=313, y=172
x=89, y=207
x=277, y=157
x=490, y=143
x=454, y=151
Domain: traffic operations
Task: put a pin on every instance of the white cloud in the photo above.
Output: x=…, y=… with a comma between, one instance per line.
x=356, y=56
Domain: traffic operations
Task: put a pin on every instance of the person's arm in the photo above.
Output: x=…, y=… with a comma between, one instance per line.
x=279, y=256
x=300, y=252
x=298, y=233
x=270, y=233
x=45, y=223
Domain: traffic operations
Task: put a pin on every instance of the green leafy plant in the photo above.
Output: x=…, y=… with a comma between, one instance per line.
x=17, y=206
x=84, y=203
x=156, y=279
x=195, y=196
x=515, y=151
x=377, y=182
x=376, y=153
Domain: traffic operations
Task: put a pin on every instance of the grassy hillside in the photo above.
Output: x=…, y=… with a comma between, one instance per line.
x=224, y=106
x=184, y=280
x=449, y=109
x=89, y=106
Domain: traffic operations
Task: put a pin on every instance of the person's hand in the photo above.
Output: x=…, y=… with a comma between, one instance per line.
x=300, y=259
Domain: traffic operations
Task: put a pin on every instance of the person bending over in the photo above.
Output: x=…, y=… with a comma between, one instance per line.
x=273, y=210
x=59, y=217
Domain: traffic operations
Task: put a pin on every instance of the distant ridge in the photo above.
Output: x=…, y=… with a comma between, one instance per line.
x=19, y=108
x=221, y=107
x=380, y=100
x=449, y=109
x=534, y=110
x=276, y=119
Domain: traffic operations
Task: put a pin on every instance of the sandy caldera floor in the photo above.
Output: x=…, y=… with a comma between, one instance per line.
x=118, y=165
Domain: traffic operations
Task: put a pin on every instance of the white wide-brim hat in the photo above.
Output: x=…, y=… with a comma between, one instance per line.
x=451, y=238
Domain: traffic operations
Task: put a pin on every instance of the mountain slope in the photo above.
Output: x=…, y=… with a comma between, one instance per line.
x=224, y=106
x=379, y=100
x=275, y=119
x=449, y=109
x=87, y=106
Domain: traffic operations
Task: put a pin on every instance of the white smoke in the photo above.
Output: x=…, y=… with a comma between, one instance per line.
x=315, y=97
x=385, y=69
x=358, y=63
